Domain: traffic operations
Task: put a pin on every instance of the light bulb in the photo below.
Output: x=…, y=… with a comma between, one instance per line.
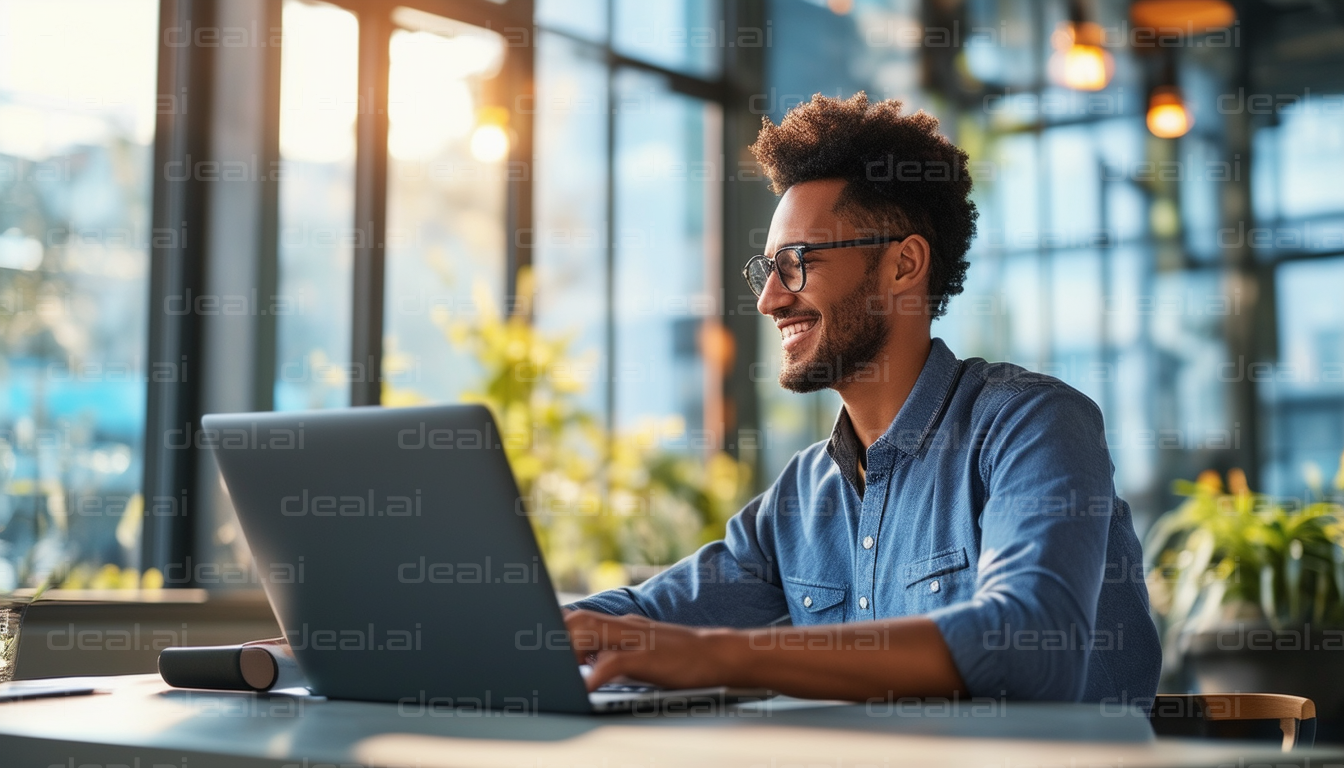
x=1168, y=117
x=1086, y=67
x=489, y=143
x=1079, y=62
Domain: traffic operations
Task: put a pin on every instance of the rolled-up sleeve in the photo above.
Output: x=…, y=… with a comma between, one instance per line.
x=727, y=583
x=1026, y=631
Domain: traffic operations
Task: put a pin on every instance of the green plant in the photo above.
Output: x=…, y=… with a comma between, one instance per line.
x=12, y=608
x=1232, y=550
x=599, y=501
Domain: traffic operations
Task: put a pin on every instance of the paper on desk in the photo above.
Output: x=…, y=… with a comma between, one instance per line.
x=52, y=686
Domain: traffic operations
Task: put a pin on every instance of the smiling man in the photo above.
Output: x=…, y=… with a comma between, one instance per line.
x=959, y=533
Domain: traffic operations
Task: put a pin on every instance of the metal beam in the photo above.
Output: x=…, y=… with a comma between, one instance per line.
x=747, y=207
x=176, y=275
x=366, y=309
x=238, y=347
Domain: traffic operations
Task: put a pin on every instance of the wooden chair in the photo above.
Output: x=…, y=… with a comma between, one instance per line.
x=1244, y=716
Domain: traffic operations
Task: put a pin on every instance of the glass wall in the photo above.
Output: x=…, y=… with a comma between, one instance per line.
x=572, y=142
x=627, y=259
x=655, y=170
x=446, y=209
x=680, y=35
x=1299, y=216
x=667, y=258
x=75, y=184
x=319, y=84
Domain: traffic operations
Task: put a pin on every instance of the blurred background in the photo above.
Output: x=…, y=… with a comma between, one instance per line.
x=545, y=206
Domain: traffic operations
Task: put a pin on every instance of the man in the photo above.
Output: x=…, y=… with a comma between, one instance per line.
x=959, y=533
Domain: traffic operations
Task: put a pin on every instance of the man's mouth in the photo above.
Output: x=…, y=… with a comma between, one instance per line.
x=793, y=330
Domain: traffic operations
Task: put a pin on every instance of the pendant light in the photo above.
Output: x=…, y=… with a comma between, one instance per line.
x=1079, y=61
x=1168, y=115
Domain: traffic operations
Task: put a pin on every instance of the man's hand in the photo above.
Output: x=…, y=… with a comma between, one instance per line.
x=860, y=661
x=669, y=655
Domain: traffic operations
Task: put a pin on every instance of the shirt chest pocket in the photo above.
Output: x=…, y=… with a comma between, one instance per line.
x=943, y=579
x=811, y=602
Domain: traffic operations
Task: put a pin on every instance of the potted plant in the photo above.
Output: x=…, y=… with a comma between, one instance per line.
x=1247, y=592
x=13, y=606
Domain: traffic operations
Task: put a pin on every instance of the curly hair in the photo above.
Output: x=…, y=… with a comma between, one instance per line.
x=901, y=175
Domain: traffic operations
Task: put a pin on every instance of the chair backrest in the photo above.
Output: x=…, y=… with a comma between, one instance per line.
x=1244, y=716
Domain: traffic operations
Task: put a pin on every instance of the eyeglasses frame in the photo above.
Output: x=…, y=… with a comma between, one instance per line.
x=802, y=249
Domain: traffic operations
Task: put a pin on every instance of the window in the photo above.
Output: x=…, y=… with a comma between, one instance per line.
x=680, y=35
x=571, y=204
x=1299, y=216
x=75, y=183
x=319, y=82
x=667, y=259
x=628, y=263
x=448, y=150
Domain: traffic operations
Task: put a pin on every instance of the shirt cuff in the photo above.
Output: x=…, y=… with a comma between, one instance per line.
x=971, y=645
x=616, y=602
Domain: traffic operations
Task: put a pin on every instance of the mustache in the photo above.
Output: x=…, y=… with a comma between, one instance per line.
x=785, y=314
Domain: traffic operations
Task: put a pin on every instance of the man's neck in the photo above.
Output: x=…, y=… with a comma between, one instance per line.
x=872, y=402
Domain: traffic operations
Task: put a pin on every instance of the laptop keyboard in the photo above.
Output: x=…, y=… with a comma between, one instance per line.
x=622, y=688
x=585, y=670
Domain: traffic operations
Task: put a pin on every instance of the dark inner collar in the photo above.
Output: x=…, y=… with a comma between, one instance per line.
x=847, y=452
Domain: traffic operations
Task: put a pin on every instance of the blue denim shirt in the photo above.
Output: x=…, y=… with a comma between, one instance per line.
x=989, y=507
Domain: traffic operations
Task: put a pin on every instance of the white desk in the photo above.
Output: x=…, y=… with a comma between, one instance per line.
x=143, y=723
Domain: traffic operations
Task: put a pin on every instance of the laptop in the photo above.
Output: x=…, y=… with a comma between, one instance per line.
x=401, y=564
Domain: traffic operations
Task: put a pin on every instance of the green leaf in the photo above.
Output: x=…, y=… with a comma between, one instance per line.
x=1267, y=603
x=1292, y=571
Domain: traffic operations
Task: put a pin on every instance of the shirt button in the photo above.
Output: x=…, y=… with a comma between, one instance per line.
x=807, y=602
x=934, y=586
x=867, y=542
x=863, y=603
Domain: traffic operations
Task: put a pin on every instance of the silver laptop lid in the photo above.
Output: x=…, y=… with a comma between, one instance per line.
x=398, y=556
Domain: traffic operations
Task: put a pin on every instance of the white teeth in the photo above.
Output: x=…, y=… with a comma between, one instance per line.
x=789, y=331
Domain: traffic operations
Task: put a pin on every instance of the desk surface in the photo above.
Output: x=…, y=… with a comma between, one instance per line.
x=141, y=718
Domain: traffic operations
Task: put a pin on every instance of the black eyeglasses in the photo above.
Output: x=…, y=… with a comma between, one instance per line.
x=791, y=265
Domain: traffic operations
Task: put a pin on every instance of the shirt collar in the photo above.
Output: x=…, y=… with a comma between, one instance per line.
x=845, y=449
x=913, y=422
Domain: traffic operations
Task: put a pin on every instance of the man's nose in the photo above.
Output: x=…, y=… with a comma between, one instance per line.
x=774, y=296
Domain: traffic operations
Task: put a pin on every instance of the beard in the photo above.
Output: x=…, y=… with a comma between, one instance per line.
x=851, y=339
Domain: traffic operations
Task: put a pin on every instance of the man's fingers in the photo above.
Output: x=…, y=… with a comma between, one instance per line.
x=588, y=633
x=591, y=632
x=609, y=665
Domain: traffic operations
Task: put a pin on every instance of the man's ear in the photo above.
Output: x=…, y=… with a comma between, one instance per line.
x=911, y=257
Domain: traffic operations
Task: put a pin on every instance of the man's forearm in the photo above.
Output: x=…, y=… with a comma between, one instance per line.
x=856, y=662
x=616, y=602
